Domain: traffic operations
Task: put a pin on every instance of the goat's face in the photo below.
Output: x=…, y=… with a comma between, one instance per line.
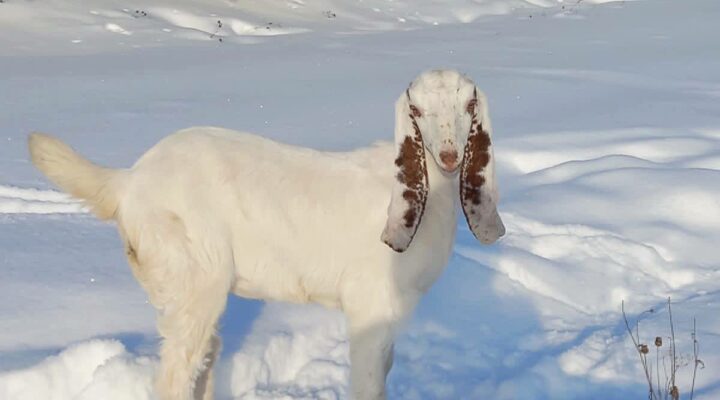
x=443, y=104
x=445, y=113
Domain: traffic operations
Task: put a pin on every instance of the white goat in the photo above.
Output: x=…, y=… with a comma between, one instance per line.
x=208, y=211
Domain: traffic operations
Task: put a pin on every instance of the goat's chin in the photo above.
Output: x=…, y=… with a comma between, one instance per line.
x=449, y=172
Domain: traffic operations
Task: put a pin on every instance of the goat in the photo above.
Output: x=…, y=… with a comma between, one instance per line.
x=209, y=211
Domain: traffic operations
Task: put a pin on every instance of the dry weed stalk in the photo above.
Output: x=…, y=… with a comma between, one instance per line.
x=669, y=390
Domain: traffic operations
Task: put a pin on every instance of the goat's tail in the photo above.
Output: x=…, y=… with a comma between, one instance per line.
x=99, y=187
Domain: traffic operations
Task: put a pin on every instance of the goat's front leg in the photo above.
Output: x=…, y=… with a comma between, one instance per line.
x=371, y=357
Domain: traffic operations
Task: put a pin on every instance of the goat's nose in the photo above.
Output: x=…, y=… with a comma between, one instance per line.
x=449, y=160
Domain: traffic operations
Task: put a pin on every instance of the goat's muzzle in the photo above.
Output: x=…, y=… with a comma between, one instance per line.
x=449, y=160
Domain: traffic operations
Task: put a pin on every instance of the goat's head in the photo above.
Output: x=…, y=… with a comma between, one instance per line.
x=445, y=113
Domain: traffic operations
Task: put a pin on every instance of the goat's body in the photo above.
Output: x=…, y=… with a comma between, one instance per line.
x=302, y=225
x=209, y=211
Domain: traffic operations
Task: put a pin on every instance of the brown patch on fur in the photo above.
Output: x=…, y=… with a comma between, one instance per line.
x=412, y=197
x=413, y=174
x=471, y=106
x=409, y=217
x=415, y=112
x=476, y=158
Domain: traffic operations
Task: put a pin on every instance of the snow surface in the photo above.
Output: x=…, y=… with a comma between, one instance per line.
x=607, y=133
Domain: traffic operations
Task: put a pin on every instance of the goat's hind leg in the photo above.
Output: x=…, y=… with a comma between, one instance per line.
x=190, y=344
x=189, y=335
x=205, y=383
x=189, y=288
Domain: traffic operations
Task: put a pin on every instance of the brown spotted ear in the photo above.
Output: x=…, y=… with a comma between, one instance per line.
x=478, y=190
x=409, y=193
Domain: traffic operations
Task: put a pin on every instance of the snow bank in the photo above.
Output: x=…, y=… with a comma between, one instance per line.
x=292, y=352
x=98, y=369
x=15, y=200
x=62, y=27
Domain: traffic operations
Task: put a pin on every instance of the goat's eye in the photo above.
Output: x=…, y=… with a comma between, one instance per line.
x=415, y=112
x=471, y=106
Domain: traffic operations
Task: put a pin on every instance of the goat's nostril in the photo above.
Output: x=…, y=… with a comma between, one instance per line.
x=449, y=157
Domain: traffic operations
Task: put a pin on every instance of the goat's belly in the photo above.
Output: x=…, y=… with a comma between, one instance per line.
x=283, y=285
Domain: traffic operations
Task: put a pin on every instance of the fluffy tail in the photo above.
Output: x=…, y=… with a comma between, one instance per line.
x=97, y=186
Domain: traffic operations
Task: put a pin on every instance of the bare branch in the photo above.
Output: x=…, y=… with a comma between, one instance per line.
x=696, y=351
x=643, y=360
x=673, y=388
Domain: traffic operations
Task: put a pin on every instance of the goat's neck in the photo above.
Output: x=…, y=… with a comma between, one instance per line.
x=443, y=192
x=440, y=212
x=434, y=239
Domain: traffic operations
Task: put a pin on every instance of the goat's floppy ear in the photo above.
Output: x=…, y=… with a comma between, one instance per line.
x=409, y=193
x=478, y=190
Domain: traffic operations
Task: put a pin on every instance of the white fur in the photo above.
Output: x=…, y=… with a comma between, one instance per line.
x=209, y=211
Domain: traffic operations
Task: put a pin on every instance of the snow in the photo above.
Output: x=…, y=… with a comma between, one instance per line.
x=607, y=135
x=91, y=370
x=32, y=201
x=60, y=26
